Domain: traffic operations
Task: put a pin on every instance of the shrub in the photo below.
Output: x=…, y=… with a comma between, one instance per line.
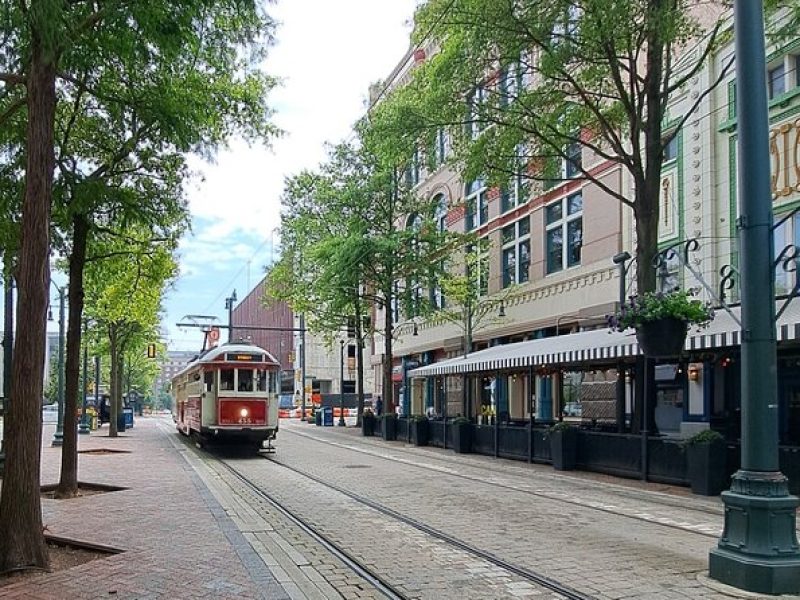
x=561, y=426
x=707, y=436
x=459, y=420
x=653, y=306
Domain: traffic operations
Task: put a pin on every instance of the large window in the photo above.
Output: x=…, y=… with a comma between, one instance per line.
x=671, y=149
x=787, y=232
x=477, y=202
x=476, y=99
x=573, y=162
x=412, y=172
x=441, y=147
x=564, y=233
x=478, y=270
x=437, y=295
x=776, y=79
x=516, y=252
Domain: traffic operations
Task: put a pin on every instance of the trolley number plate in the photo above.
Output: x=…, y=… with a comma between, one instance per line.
x=245, y=421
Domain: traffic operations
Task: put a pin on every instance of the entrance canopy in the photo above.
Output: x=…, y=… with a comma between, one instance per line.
x=601, y=344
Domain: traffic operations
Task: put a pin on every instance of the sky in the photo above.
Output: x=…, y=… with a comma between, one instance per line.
x=326, y=55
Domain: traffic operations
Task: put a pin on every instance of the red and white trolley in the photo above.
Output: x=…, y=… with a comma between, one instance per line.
x=229, y=395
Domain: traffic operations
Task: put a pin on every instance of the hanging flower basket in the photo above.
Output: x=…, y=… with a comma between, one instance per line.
x=664, y=337
x=661, y=320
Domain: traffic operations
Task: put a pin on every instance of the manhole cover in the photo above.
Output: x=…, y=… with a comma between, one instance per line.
x=356, y=466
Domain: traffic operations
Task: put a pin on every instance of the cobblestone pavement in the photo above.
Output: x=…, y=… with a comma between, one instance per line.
x=607, y=540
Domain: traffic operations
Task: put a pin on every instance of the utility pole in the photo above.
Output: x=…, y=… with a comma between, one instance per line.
x=58, y=437
x=229, y=302
x=758, y=550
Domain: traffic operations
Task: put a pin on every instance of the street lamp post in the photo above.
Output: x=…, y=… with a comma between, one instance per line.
x=8, y=343
x=758, y=549
x=303, y=366
x=58, y=436
x=229, y=302
x=341, y=383
x=83, y=427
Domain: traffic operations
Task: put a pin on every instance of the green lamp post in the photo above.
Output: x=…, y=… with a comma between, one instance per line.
x=758, y=550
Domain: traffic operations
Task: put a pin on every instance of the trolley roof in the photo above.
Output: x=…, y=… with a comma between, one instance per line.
x=241, y=353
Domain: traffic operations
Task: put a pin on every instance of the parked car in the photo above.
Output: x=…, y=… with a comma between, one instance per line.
x=573, y=409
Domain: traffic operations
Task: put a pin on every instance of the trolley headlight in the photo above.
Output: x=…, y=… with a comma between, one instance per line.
x=244, y=412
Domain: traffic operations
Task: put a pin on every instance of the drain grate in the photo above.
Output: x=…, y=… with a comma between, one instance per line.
x=103, y=451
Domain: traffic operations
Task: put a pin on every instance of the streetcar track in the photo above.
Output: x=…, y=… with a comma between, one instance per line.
x=608, y=509
x=542, y=580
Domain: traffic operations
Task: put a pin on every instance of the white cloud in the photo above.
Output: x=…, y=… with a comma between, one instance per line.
x=327, y=54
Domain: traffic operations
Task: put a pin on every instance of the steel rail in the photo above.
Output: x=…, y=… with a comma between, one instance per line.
x=551, y=584
x=352, y=563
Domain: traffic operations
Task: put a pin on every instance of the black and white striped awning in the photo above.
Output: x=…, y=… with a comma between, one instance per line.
x=597, y=345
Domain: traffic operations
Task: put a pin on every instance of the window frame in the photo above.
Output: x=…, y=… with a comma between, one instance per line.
x=771, y=90
x=476, y=199
x=562, y=224
x=515, y=244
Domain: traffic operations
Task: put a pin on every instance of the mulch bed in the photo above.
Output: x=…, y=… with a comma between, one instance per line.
x=62, y=556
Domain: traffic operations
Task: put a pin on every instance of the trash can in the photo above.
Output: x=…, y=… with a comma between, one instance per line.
x=121, y=422
x=327, y=416
x=128, y=412
x=318, y=416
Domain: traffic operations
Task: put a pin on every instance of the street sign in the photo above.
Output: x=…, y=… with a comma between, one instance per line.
x=151, y=350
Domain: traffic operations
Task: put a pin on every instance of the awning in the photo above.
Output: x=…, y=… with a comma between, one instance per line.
x=600, y=344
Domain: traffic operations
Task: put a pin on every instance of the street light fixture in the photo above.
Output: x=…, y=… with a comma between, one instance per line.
x=620, y=260
x=83, y=427
x=229, y=302
x=341, y=383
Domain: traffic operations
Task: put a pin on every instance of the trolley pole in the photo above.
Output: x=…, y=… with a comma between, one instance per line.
x=758, y=550
x=229, y=302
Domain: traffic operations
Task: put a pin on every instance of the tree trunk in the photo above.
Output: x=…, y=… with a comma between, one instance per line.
x=648, y=180
x=22, y=543
x=114, y=383
x=68, y=484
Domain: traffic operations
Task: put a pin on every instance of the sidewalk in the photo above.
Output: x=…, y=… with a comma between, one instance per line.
x=177, y=540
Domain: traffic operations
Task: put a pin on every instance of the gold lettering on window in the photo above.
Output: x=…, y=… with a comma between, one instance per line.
x=665, y=212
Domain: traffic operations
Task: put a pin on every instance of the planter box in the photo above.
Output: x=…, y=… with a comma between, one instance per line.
x=389, y=428
x=563, y=449
x=420, y=432
x=462, y=437
x=706, y=466
x=665, y=337
x=367, y=424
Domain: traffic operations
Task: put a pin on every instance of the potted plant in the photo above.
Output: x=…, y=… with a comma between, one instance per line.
x=420, y=431
x=367, y=423
x=563, y=446
x=661, y=320
x=462, y=435
x=389, y=426
x=706, y=463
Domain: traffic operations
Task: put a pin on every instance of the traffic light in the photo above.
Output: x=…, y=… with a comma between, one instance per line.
x=151, y=350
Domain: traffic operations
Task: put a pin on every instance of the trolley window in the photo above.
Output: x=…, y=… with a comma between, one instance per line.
x=245, y=377
x=262, y=380
x=226, y=379
x=208, y=379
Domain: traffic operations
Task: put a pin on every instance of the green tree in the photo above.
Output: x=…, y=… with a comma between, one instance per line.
x=108, y=53
x=521, y=85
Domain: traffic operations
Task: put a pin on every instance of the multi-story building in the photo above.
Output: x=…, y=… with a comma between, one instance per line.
x=172, y=363
x=555, y=245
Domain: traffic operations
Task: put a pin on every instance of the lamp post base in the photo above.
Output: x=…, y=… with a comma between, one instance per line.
x=758, y=550
x=83, y=428
x=58, y=439
x=341, y=422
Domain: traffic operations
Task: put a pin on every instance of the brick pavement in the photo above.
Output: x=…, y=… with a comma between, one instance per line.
x=178, y=541
x=608, y=539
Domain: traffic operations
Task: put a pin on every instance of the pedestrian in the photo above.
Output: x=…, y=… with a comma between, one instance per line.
x=378, y=406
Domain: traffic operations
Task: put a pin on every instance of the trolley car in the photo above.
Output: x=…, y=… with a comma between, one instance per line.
x=229, y=395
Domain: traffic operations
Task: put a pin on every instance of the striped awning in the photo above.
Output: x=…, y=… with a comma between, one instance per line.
x=600, y=344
